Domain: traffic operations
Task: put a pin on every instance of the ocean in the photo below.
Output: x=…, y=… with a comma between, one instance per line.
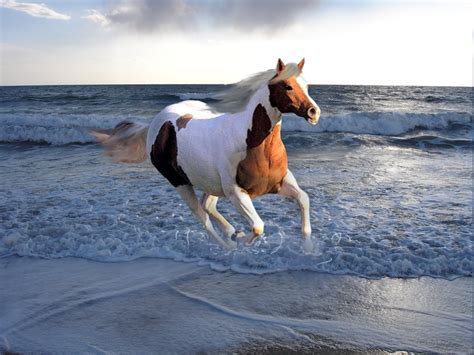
x=388, y=170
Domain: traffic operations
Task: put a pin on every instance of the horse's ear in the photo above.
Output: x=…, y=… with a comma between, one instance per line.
x=280, y=66
x=301, y=64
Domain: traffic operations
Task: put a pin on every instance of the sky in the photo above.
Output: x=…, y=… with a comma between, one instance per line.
x=364, y=42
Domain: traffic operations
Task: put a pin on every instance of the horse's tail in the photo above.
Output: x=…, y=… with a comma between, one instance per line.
x=125, y=143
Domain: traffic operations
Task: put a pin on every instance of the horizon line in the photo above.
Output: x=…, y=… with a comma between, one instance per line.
x=175, y=84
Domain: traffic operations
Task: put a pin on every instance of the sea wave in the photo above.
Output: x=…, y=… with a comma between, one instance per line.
x=431, y=140
x=71, y=129
x=52, y=98
x=52, y=129
x=379, y=123
x=195, y=96
x=431, y=98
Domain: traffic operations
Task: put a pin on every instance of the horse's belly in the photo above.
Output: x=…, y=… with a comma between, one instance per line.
x=200, y=165
x=206, y=182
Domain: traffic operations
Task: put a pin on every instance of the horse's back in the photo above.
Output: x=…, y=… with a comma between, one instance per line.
x=178, y=115
x=188, y=144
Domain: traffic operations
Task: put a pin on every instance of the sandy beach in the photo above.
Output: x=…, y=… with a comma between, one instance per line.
x=155, y=305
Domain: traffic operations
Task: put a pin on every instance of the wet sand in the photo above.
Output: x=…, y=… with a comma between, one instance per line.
x=156, y=305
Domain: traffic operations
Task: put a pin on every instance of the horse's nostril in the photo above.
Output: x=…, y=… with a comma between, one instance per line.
x=312, y=112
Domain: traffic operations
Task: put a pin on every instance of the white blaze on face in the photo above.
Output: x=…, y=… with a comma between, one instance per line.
x=304, y=86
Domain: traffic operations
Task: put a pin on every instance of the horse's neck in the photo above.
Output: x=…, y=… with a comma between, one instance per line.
x=260, y=122
x=251, y=126
x=262, y=97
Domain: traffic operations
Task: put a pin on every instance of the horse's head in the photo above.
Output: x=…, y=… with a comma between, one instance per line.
x=289, y=92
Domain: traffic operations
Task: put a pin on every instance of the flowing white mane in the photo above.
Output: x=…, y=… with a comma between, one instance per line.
x=235, y=97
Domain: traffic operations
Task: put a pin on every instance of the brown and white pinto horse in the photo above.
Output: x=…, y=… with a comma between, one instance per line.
x=238, y=154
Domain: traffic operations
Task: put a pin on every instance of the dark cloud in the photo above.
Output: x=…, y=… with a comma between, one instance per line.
x=258, y=14
x=150, y=15
x=242, y=15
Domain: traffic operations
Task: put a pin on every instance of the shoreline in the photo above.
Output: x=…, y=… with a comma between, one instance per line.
x=72, y=304
x=223, y=269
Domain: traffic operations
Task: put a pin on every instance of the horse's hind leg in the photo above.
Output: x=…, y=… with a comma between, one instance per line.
x=189, y=196
x=290, y=188
x=209, y=203
x=242, y=201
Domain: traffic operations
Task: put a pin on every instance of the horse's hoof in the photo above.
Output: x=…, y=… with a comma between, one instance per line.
x=237, y=235
x=308, y=246
x=250, y=240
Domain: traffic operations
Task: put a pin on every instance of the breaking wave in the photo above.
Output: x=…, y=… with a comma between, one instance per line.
x=71, y=129
x=380, y=123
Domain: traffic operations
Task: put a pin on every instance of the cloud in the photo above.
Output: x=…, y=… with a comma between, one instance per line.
x=262, y=14
x=32, y=9
x=97, y=17
x=195, y=15
x=149, y=15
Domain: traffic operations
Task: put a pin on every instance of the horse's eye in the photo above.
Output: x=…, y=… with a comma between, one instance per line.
x=288, y=87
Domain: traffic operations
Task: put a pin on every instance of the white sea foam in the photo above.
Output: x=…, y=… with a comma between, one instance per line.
x=337, y=254
x=65, y=129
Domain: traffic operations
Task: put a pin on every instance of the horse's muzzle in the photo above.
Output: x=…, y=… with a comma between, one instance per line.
x=313, y=114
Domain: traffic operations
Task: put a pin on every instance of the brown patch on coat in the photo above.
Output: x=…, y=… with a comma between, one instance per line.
x=164, y=154
x=261, y=127
x=294, y=100
x=265, y=165
x=183, y=121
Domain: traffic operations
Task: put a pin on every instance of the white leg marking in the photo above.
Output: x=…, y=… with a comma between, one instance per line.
x=189, y=196
x=290, y=188
x=242, y=201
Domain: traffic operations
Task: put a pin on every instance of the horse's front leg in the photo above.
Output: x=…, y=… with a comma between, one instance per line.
x=243, y=203
x=290, y=188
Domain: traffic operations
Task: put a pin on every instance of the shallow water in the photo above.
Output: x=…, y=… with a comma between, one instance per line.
x=389, y=183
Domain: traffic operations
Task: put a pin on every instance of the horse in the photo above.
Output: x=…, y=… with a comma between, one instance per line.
x=230, y=148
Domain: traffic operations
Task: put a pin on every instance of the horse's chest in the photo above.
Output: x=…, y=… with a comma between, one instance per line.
x=264, y=166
